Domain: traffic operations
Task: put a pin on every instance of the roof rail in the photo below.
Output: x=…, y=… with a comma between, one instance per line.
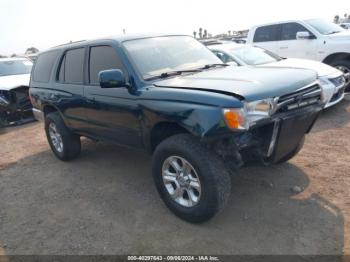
x=71, y=42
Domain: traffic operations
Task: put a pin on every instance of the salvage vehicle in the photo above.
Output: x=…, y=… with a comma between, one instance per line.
x=331, y=79
x=15, y=106
x=171, y=96
x=314, y=39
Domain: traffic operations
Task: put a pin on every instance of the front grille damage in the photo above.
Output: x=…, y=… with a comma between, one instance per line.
x=258, y=144
x=303, y=97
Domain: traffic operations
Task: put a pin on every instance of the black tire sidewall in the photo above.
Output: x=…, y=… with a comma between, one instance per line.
x=211, y=201
x=71, y=142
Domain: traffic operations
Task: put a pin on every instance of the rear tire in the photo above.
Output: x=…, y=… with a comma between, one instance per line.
x=64, y=144
x=212, y=182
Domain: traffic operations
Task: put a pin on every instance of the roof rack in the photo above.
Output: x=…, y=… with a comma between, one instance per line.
x=71, y=42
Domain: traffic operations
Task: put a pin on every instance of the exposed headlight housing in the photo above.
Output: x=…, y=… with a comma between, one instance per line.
x=252, y=112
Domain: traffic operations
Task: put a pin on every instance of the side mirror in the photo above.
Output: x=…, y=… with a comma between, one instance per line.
x=111, y=78
x=303, y=35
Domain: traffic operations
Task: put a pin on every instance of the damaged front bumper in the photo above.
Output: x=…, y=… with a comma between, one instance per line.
x=271, y=140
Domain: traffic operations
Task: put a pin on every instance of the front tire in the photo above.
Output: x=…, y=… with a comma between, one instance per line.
x=344, y=66
x=64, y=144
x=192, y=181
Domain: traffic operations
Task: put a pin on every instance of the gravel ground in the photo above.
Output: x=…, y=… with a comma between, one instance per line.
x=105, y=201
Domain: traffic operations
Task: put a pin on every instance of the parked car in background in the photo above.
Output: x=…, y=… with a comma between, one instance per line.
x=314, y=39
x=15, y=105
x=331, y=79
x=172, y=97
x=345, y=25
x=32, y=57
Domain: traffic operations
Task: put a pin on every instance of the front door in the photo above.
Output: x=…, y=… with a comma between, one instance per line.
x=111, y=113
x=290, y=46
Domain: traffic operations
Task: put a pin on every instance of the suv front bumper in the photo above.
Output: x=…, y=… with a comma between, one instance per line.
x=288, y=131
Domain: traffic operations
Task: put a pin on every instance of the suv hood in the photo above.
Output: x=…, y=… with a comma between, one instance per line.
x=321, y=68
x=13, y=81
x=250, y=83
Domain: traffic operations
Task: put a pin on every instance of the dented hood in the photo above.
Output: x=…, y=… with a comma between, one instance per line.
x=249, y=83
x=13, y=81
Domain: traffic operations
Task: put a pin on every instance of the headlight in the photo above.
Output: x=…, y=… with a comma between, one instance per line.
x=243, y=118
x=259, y=107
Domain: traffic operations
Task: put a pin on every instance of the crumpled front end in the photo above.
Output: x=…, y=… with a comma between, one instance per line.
x=278, y=137
x=15, y=106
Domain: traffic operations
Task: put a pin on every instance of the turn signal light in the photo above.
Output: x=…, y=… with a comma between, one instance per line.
x=235, y=118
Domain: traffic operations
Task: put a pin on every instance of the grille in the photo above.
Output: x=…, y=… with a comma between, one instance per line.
x=337, y=81
x=301, y=98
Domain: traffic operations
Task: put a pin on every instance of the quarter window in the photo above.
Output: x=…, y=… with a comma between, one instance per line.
x=43, y=66
x=102, y=58
x=266, y=33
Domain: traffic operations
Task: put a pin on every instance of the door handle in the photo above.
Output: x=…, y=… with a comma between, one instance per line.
x=284, y=47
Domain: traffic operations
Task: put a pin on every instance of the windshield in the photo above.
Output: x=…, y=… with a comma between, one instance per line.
x=324, y=27
x=154, y=56
x=15, y=67
x=253, y=55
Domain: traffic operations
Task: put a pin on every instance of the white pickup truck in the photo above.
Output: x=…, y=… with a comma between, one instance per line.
x=314, y=39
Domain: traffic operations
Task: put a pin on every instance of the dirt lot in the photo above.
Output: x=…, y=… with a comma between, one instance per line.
x=105, y=201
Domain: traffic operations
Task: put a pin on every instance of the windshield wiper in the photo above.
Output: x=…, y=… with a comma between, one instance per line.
x=333, y=32
x=173, y=73
x=213, y=65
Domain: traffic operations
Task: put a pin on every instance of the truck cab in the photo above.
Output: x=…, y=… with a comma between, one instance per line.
x=313, y=39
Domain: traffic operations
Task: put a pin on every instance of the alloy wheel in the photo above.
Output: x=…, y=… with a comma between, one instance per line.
x=181, y=181
x=55, y=137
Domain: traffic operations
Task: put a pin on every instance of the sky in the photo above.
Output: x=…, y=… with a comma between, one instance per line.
x=46, y=23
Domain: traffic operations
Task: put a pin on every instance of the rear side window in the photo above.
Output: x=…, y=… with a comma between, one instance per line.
x=103, y=58
x=266, y=33
x=72, y=67
x=289, y=31
x=43, y=66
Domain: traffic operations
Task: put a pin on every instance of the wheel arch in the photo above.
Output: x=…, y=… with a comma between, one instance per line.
x=163, y=130
x=47, y=109
x=336, y=57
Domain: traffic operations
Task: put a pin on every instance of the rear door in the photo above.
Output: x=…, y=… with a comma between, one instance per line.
x=267, y=37
x=112, y=113
x=290, y=46
x=69, y=87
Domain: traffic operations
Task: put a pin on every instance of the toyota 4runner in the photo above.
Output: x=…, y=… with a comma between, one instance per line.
x=173, y=97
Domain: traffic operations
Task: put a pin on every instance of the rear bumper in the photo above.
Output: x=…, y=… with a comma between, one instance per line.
x=38, y=114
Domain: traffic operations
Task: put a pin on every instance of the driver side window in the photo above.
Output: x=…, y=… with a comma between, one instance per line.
x=290, y=30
